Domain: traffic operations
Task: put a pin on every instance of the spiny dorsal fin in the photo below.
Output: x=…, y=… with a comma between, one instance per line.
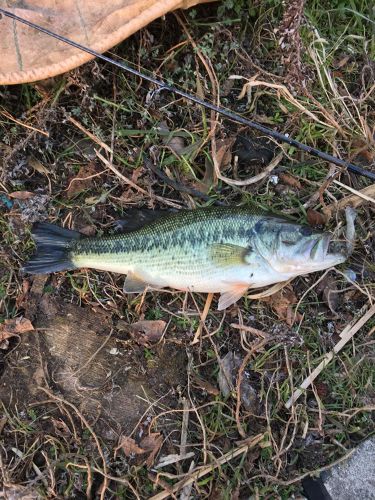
x=136, y=218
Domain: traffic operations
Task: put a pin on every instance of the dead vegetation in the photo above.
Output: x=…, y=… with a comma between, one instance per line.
x=160, y=395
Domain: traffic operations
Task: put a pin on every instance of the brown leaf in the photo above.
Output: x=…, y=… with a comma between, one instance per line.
x=227, y=379
x=204, y=384
x=38, y=166
x=290, y=180
x=88, y=230
x=315, y=218
x=21, y=297
x=152, y=443
x=229, y=367
x=235, y=495
x=21, y=195
x=224, y=152
x=136, y=174
x=82, y=181
x=4, y=344
x=147, y=331
x=129, y=446
x=282, y=302
x=327, y=287
x=60, y=427
x=176, y=144
x=223, y=158
x=208, y=180
x=321, y=389
x=13, y=327
x=3, y=421
x=340, y=63
x=362, y=151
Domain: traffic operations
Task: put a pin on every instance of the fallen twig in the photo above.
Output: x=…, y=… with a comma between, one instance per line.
x=133, y=184
x=90, y=134
x=252, y=180
x=361, y=194
x=30, y=127
x=354, y=200
x=251, y=329
x=177, y=185
x=203, y=318
x=270, y=291
x=345, y=335
x=90, y=429
x=203, y=471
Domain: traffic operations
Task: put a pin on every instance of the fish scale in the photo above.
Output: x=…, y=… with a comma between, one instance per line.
x=216, y=249
x=178, y=245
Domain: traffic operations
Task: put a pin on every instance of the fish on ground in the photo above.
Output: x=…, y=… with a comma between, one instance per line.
x=217, y=249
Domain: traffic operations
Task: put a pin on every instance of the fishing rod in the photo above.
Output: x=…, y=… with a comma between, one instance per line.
x=202, y=102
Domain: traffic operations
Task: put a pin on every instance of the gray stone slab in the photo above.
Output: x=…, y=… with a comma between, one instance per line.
x=355, y=478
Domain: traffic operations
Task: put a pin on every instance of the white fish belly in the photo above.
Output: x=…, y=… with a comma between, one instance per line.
x=181, y=271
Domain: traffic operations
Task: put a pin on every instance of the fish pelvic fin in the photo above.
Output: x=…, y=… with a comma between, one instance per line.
x=134, y=284
x=53, y=249
x=231, y=296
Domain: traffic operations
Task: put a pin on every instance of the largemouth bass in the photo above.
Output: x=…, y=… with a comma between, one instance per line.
x=218, y=249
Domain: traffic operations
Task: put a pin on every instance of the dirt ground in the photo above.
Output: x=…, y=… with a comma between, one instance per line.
x=106, y=395
x=90, y=361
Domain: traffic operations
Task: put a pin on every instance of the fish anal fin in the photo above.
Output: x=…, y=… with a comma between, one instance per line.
x=134, y=284
x=231, y=296
x=227, y=254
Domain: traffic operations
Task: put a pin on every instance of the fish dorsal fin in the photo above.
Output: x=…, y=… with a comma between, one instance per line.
x=231, y=296
x=134, y=284
x=135, y=218
x=226, y=254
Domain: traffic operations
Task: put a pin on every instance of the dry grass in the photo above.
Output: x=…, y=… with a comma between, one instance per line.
x=213, y=446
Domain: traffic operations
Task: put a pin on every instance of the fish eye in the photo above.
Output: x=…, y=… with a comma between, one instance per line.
x=305, y=231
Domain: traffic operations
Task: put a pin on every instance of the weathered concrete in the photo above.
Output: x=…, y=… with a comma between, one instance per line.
x=355, y=478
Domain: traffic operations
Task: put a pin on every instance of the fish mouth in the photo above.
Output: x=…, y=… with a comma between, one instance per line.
x=320, y=247
x=324, y=249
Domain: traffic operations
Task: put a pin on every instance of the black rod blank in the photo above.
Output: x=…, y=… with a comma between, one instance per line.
x=202, y=102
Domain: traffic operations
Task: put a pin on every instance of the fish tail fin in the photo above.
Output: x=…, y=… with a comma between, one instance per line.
x=53, y=252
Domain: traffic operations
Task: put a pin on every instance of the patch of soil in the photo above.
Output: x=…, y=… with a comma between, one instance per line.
x=80, y=355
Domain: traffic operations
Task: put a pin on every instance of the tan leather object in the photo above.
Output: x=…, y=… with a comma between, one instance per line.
x=27, y=55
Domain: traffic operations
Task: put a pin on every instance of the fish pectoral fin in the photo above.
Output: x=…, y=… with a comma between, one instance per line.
x=231, y=296
x=226, y=254
x=134, y=284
